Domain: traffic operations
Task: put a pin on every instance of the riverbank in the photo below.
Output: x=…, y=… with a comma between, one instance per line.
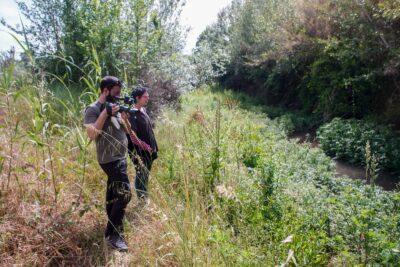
x=228, y=188
x=386, y=180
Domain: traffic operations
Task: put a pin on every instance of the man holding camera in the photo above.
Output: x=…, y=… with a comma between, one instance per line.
x=105, y=125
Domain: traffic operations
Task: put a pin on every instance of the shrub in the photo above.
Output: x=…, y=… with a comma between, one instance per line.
x=347, y=139
x=274, y=200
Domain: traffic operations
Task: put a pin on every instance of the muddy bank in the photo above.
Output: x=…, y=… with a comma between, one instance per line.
x=386, y=180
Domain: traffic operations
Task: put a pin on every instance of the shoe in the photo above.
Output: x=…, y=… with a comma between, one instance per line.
x=117, y=242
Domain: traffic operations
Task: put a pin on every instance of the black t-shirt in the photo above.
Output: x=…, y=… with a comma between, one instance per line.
x=141, y=124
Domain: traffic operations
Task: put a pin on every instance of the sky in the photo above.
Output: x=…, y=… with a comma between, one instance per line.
x=196, y=14
x=8, y=11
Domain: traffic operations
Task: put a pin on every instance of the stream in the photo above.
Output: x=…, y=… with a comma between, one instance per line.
x=386, y=180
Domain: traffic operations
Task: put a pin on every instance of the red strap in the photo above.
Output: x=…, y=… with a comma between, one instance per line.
x=139, y=142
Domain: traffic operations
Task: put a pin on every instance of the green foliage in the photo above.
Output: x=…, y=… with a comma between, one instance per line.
x=345, y=81
x=211, y=54
x=274, y=201
x=288, y=121
x=133, y=39
x=228, y=187
x=327, y=58
x=347, y=139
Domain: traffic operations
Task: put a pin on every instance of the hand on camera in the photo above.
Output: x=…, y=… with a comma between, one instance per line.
x=114, y=109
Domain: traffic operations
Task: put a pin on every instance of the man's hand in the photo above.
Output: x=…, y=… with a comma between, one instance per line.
x=105, y=93
x=114, y=109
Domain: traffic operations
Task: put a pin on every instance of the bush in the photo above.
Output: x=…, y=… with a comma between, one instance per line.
x=328, y=58
x=272, y=197
x=292, y=122
x=347, y=139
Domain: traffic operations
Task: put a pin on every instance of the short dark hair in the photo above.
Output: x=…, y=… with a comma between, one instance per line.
x=138, y=92
x=109, y=82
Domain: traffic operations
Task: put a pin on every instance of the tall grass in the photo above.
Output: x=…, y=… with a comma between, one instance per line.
x=45, y=163
x=227, y=189
x=273, y=201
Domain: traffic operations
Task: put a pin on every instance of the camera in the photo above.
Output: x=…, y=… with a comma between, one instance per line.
x=126, y=109
x=127, y=100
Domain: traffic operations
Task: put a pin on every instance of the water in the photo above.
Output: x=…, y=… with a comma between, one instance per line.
x=386, y=180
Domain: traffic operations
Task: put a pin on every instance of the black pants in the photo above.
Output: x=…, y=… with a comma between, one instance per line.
x=142, y=161
x=118, y=195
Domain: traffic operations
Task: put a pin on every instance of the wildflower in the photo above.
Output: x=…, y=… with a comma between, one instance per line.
x=225, y=192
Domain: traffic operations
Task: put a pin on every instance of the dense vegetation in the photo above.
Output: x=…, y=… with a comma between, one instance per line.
x=228, y=188
x=347, y=139
x=316, y=59
x=324, y=57
x=77, y=42
x=250, y=196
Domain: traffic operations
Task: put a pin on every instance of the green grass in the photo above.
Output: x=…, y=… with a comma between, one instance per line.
x=267, y=189
x=228, y=189
x=289, y=120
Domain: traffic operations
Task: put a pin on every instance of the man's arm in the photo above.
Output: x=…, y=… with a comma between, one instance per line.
x=94, y=124
x=94, y=129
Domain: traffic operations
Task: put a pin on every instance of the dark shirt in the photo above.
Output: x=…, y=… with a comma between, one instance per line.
x=141, y=124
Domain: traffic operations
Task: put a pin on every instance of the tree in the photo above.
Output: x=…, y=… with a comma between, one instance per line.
x=129, y=37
